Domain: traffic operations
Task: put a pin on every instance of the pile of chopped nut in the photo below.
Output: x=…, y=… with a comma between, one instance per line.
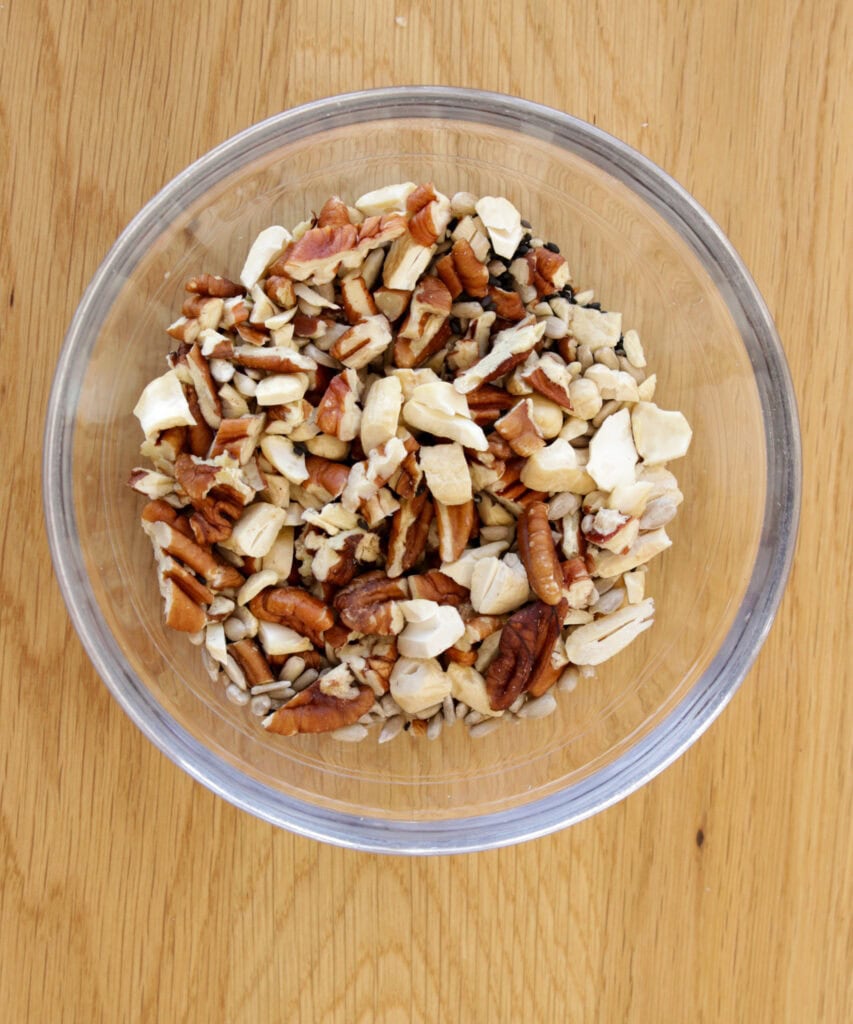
x=403, y=472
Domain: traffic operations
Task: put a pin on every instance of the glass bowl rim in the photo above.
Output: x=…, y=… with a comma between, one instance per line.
x=709, y=694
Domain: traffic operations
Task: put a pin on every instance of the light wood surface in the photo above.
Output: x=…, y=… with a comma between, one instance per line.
x=720, y=892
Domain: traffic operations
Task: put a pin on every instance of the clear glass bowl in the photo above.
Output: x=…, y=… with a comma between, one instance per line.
x=647, y=249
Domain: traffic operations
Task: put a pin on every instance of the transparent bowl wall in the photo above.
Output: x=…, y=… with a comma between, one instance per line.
x=628, y=232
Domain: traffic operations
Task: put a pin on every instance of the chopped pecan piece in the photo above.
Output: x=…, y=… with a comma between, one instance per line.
x=370, y=604
x=456, y=525
x=578, y=585
x=294, y=607
x=251, y=660
x=190, y=584
x=280, y=290
x=334, y=213
x=508, y=304
x=393, y=302
x=318, y=253
x=238, y=438
x=215, y=571
x=461, y=271
x=488, y=403
x=159, y=511
x=429, y=310
x=519, y=429
x=364, y=342
x=213, y=285
x=549, y=271
x=356, y=299
x=180, y=610
x=435, y=586
x=429, y=214
x=314, y=710
x=199, y=437
x=252, y=335
x=338, y=412
x=409, y=531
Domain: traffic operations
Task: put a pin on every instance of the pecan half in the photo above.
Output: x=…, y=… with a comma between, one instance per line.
x=313, y=711
x=409, y=531
x=294, y=607
x=370, y=604
x=551, y=378
x=524, y=652
x=539, y=554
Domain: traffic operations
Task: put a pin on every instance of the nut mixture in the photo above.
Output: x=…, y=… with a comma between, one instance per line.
x=403, y=472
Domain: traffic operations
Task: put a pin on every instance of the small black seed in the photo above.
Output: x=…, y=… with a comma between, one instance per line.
x=455, y=325
x=619, y=348
x=547, y=298
x=522, y=250
x=451, y=225
x=506, y=281
x=488, y=302
x=407, y=726
x=594, y=305
x=526, y=224
x=568, y=293
x=552, y=247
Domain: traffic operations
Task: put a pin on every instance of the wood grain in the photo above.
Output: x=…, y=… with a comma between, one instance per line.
x=722, y=891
